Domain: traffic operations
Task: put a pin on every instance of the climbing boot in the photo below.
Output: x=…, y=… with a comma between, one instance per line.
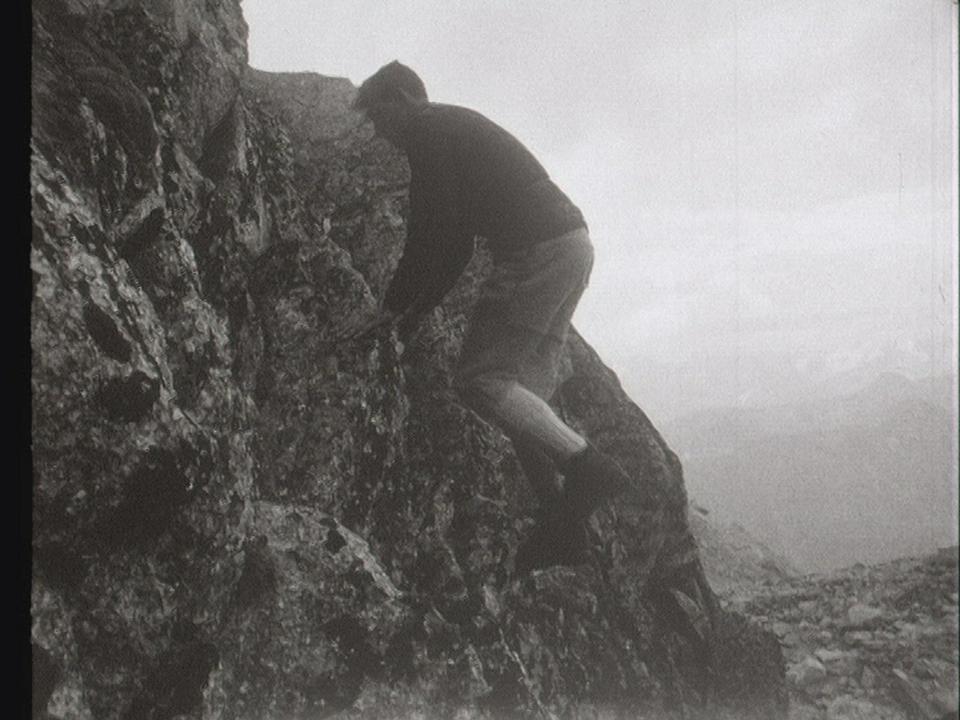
x=540, y=471
x=591, y=478
x=557, y=539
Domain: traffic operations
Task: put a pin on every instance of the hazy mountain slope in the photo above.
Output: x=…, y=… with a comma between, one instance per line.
x=865, y=477
x=732, y=557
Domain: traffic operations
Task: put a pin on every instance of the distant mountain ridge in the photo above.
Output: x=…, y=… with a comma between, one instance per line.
x=864, y=477
x=684, y=385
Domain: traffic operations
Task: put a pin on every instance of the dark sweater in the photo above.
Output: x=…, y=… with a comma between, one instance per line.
x=469, y=177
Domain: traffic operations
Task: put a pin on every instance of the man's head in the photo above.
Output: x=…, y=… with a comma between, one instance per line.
x=387, y=96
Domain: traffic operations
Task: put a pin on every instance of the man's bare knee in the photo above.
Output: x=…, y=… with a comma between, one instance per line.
x=521, y=414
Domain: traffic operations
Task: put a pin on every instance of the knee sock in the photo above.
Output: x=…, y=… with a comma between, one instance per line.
x=523, y=414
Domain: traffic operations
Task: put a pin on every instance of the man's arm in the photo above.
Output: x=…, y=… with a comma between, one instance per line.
x=437, y=247
x=455, y=256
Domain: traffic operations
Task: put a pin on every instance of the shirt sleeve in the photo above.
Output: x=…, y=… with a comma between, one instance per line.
x=437, y=248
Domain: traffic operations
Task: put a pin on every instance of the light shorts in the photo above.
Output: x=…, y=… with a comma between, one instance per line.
x=521, y=320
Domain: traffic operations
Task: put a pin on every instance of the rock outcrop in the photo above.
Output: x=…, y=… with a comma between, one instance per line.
x=734, y=558
x=241, y=509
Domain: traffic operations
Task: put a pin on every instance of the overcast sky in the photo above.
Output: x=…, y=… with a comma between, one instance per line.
x=769, y=185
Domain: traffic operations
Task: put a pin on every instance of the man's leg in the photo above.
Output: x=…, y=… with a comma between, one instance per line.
x=491, y=363
x=508, y=363
x=591, y=476
x=523, y=416
x=496, y=354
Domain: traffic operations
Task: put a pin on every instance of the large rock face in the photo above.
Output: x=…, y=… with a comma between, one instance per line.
x=240, y=511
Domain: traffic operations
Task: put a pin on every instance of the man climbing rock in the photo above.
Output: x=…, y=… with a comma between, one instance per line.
x=469, y=178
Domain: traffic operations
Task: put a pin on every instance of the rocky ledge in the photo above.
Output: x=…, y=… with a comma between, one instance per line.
x=866, y=643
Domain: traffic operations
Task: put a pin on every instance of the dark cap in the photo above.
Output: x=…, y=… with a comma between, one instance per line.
x=392, y=83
